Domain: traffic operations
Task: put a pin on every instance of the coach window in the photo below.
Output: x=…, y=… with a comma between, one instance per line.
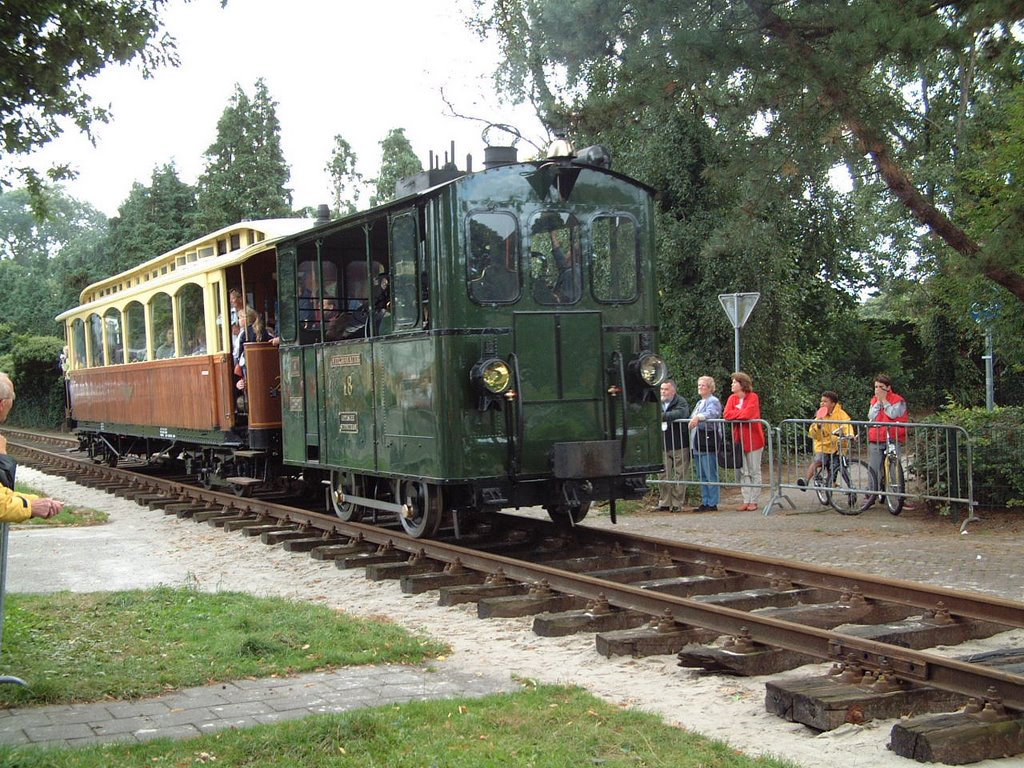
x=78, y=342
x=163, y=326
x=556, y=258
x=95, y=341
x=191, y=320
x=135, y=331
x=114, y=338
x=614, y=265
x=404, y=291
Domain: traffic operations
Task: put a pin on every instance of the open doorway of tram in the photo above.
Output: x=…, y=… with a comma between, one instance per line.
x=251, y=289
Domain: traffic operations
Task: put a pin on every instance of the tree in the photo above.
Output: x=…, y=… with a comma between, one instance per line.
x=814, y=81
x=50, y=48
x=245, y=172
x=31, y=252
x=152, y=220
x=397, y=161
x=346, y=181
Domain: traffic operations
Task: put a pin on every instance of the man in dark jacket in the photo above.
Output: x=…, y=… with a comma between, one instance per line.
x=674, y=414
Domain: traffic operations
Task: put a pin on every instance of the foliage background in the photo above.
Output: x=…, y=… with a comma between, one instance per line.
x=740, y=113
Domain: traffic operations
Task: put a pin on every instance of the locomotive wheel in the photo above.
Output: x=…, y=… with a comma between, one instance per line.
x=346, y=483
x=564, y=514
x=423, y=512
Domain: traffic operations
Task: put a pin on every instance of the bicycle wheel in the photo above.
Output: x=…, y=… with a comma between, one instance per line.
x=851, y=484
x=870, y=482
x=821, y=488
x=892, y=473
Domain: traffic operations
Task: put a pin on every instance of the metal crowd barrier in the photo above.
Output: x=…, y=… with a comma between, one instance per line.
x=936, y=460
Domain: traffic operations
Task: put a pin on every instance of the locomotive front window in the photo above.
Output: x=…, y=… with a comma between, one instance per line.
x=614, y=265
x=492, y=258
x=556, y=258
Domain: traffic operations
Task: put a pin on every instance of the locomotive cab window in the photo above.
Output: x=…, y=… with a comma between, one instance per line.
x=492, y=258
x=616, y=256
x=404, y=296
x=556, y=258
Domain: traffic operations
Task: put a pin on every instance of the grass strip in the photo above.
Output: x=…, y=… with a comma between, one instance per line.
x=543, y=727
x=74, y=647
x=68, y=516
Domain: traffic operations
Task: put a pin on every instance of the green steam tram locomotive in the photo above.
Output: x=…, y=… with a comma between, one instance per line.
x=486, y=340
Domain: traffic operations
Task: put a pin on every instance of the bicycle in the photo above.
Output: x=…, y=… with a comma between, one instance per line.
x=840, y=480
x=893, y=485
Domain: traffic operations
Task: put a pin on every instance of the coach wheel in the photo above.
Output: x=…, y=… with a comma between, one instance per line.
x=206, y=478
x=565, y=514
x=344, y=484
x=422, y=511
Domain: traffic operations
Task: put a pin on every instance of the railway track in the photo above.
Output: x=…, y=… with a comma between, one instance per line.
x=717, y=609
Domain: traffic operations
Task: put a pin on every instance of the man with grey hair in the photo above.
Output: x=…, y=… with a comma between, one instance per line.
x=18, y=507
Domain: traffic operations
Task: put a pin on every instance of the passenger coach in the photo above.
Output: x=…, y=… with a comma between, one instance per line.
x=486, y=340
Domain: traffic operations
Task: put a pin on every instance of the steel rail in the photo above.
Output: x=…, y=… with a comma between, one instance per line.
x=940, y=672
x=960, y=603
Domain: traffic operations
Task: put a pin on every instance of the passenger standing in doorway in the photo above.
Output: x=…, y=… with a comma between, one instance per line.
x=886, y=407
x=744, y=406
x=674, y=413
x=704, y=441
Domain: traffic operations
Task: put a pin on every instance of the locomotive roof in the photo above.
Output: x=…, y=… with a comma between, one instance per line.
x=522, y=167
x=214, y=250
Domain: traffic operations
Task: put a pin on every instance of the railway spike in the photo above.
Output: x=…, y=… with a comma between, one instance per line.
x=455, y=567
x=667, y=622
x=599, y=606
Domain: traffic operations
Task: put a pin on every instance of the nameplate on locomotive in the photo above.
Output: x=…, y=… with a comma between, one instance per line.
x=348, y=421
x=295, y=404
x=340, y=361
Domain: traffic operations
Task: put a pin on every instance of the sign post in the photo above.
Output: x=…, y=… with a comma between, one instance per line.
x=738, y=307
x=984, y=315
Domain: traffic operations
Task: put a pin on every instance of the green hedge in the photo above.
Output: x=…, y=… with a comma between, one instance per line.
x=997, y=441
x=33, y=363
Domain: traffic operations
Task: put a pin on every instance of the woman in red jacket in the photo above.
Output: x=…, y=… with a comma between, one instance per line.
x=743, y=406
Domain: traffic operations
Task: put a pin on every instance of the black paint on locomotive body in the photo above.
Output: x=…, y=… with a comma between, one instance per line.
x=487, y=340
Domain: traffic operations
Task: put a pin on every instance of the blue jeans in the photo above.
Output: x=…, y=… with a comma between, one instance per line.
x=707, y=472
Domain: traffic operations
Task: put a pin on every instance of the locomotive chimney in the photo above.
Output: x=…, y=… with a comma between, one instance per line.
x=323, y=214
x=495, y=156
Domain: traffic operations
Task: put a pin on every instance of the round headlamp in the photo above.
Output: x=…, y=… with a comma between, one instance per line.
x=652, y=369
x=493, y=375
